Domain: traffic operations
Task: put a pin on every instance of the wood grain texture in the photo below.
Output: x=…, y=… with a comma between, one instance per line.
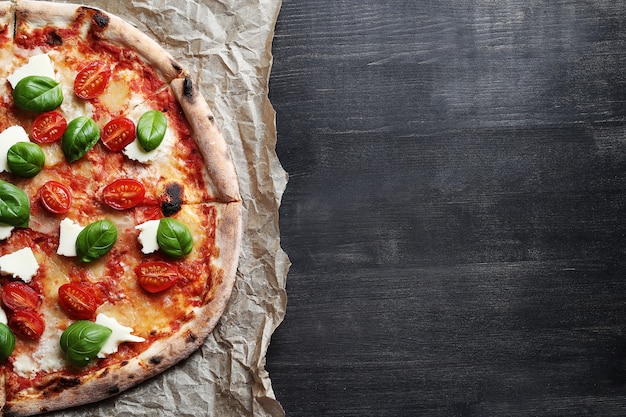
x=455, y=210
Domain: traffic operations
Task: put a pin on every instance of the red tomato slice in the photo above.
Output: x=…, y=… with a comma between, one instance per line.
x=27, y=324
x=91, y=81
x=123, y=194
x=55, y=197
x=48, y=127
x=156, y=276
x=77, y=300
x=118, y=133
x=19, y=296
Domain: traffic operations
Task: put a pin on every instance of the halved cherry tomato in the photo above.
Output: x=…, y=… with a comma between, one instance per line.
x=55, y=197
x=91, y=81
x=48, y=127
x=156, y=276
x=19, y=296
x=118, y=133
x=77, y=301
x=27, y=324
x=123, y=193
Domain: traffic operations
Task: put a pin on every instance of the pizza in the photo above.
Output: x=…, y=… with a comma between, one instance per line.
x=120, y=212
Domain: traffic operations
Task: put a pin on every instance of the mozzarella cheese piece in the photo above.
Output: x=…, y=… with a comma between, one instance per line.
x=148, y=236
x=5, y=231
x=36, y=65
x=135, y=152
x=9, y=137
x=3, y=317
x=67, y=237
x=120, y=334
x=21, y=264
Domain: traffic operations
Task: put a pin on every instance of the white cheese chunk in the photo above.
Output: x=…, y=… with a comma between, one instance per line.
x=5, y=231
x=21, y=264
x=120, y=334
x=3, y=316
x=36, y=65
x=67, y=237
x=9, y=137
x=135, y=152
x=148, y=236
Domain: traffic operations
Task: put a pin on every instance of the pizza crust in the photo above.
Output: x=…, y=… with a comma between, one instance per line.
x=209, y=138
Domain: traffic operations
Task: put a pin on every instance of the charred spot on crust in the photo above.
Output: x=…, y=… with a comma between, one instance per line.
x=113, y=390
x=124, y=363
x=173, y=199
x=188, y=89
x=176, y=66
x=155, y=360
x=191, y=337
x=100, y=19
x=64, y=383
x=211, y=118
x=53, y=38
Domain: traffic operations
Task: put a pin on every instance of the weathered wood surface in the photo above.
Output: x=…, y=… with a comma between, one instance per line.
x=456, y=207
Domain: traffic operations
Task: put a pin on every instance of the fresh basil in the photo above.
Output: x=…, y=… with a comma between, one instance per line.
x=95, y=240
x=151, y=128
x=37, y=93
x=7, y=342
x=81, y=134
x=14, y=205
x=174, y=238
x=25, y=159
x=82, y=341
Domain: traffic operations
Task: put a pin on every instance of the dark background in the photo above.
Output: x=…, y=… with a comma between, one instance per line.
x=455, y=209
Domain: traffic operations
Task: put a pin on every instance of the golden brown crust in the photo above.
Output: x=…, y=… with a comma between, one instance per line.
x=209, y=137
x=118, y=31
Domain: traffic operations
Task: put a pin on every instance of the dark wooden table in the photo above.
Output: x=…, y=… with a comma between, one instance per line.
x=456, y=207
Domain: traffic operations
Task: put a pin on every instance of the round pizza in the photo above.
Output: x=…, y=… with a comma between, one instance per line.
x=120, y=213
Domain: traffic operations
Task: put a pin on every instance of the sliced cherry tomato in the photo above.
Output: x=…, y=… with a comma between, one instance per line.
x=123, y=194
x=77, y=300
x=118, y=133
x=19, y=296
x=91, y=81
x=55, y=197
x=156, y=276
x=27, y=324
x=48, y=127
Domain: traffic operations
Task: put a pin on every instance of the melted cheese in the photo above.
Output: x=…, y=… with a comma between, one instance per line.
x=20, y=264
x=69, y=231
x=9, y=137
x=120, y=334
x=148, y=236
x=36, y=65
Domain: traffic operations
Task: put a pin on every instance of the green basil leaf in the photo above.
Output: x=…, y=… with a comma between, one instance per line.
x=7, y=342
x=151, y=129
x=80, y=136
x=14, y=205
x=82, y=341
x=95, y=240
x=37, y=93
x=174, y=238
x=25, y=159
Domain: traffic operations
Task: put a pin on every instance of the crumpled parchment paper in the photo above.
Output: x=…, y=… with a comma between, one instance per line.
x=227, y=45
